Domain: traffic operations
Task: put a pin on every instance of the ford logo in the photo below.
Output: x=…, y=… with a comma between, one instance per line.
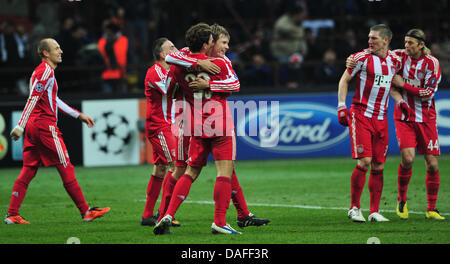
x=297, y=127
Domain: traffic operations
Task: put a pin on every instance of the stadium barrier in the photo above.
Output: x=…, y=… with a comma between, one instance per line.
x=266, y=126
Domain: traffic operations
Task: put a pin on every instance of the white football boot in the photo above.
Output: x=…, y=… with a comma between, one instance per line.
x=377, y=217
x=356, y=215
x=226, y=229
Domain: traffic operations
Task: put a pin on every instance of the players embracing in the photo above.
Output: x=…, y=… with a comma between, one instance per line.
x=415, y=118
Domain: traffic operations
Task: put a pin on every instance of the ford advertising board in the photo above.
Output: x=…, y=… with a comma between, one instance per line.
x=292, y=126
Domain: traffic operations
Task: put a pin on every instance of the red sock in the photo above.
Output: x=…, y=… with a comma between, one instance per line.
x=179, y=194
x=153, y=190
x=222, y=197
x=404, y=175
x=168, y=185
x=238, y=198
x=375, y=189
x=357, y=181
x=432, y=183
x=20, y=189
x=72, y=187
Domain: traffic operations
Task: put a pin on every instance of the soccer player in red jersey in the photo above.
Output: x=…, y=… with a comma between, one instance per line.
x=367, y=119
x=212, y=131
x=419, y=79
x=43, y=142
x=221, y=38
x=158, y=126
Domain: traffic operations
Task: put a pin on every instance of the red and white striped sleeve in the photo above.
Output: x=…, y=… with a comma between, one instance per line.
x=360, y=58
x=39, y=83
x=433, y=73
x=228, y=80
x=180, y=58
x=66, y=108
x=431, y=80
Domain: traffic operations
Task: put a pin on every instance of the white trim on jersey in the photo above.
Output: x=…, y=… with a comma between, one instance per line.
x=47, y=72
x=28, y=109
x=164, y=106
x=355, y=148
x=61, y=155
x=49, y=88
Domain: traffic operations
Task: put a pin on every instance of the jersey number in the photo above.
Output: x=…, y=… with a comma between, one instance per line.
x=432, y=146
x=199, y=94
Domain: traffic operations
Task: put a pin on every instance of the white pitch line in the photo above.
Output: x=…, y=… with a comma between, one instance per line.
x=301, y=206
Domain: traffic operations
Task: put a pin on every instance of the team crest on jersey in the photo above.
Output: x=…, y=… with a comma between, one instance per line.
x=393, y=70
x=420, y=74
x=39, y=87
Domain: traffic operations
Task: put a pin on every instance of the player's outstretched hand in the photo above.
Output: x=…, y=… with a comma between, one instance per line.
x=343, y=115
x=87, y=120
x=16, y=133
x=208, y=66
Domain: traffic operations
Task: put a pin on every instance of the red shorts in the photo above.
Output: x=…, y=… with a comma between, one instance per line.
x=222, y=148
x=43, y=145
x=369, y=137
x=423, y=136
x=164, y=146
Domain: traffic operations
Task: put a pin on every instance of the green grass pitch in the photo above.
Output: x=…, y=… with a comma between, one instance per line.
x=306, y=199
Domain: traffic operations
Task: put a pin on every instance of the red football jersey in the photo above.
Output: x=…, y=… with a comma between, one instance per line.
x=373, y=82
x=183, y=59
x=159, y=105
x=208, y=110
x=43, y=102
x=424, y=74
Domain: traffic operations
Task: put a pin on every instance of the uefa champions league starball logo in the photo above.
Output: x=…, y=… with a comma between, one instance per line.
x=111, y=133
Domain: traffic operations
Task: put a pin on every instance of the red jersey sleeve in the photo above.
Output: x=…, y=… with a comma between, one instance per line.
x=226, y=80
x=39, y=83
x=156, y=79
x=359, y=57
